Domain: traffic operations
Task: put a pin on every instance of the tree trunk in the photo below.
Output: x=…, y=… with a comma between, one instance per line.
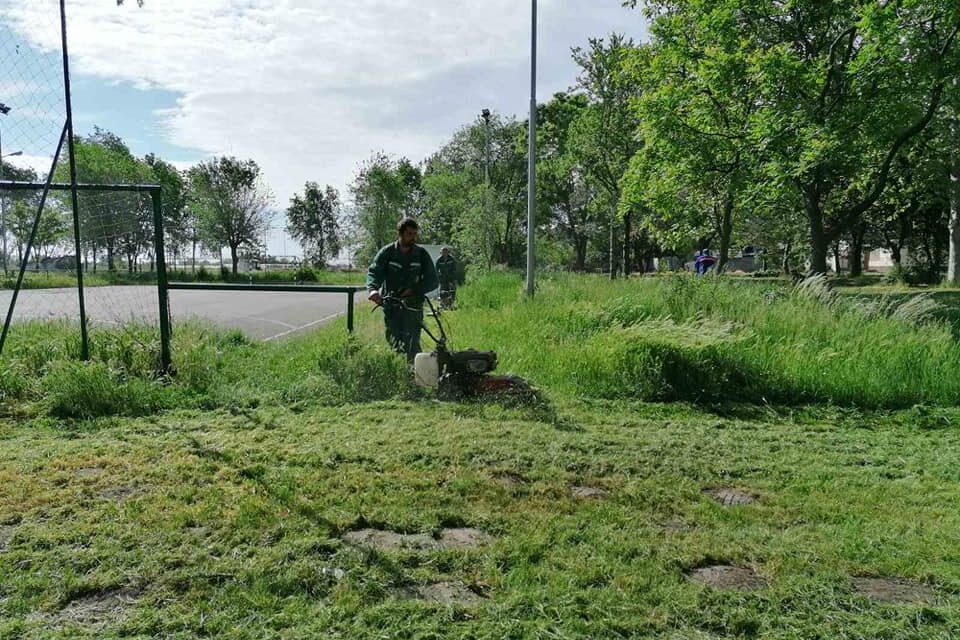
x=580, y=246
x=193, y=261
x=110, y=265
x=855, y=257
x=614, y=267
x=856, y=249
x=235, y=259
x=953, y=260
x=819, y=242
x=726, y=231
x=627, y=246
x=896, y=254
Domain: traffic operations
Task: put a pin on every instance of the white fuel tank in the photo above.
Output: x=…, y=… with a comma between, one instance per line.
x=426, y=370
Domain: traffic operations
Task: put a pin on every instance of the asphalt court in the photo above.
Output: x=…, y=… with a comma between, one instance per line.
x=266, y=315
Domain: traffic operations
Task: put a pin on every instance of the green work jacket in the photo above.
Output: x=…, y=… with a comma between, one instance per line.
x=392, y=271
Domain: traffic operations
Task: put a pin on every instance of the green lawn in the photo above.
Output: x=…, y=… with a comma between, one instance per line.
x=237, y=517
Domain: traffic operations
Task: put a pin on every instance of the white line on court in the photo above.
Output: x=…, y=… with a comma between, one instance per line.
x=282, y=324
x=306, y=326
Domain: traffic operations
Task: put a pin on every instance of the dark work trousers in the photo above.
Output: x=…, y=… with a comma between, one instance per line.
x=403, y=330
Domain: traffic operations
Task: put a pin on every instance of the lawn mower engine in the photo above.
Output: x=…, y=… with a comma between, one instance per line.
x=434, y=369
x=470, y=362
x=458, y=375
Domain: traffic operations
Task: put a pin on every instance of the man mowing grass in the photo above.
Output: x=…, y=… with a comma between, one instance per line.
x=404, y=270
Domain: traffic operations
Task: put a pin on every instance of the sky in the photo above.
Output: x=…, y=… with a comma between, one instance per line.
x=307, y=88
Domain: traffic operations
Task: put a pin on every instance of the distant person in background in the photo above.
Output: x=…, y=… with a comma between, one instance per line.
x=447, y=272
x=704, y=262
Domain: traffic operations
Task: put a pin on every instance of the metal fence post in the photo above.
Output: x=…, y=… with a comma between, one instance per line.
x=84, y=338
x=162, y=290
x=350, y=296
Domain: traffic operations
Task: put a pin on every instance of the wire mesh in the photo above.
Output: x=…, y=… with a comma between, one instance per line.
x=117, y=256
x=31, y=87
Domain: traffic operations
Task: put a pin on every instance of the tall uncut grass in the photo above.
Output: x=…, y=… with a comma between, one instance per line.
x=672, y=338
x=40, y=371
x=712, y=339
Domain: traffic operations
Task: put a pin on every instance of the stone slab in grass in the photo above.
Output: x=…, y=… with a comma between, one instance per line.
x=509, y=479
x=582, y=492
x=464, y=538
x=457, y=538
x=727, y=577
x=6, y=535
x=390, y=540
x=450, y=593
x=894, y=590
x=99, y=608
x=676, y=526
x=118, y=493
x=731, y=497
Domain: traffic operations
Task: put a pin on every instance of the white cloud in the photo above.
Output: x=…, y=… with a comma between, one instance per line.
x=309, y=88
x=40, y=164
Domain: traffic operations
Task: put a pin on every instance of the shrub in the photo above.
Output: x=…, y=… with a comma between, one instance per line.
x=92, y=389
x=305, y=273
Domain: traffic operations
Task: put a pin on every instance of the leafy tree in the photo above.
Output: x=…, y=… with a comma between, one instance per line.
x=384, y=191
x=231, y=202
x=486, y=222
x=604, y=136
x=52, y=230
x=845, y=86
x=113, y=222
x=695, y=112
x=13, y=198
x=562, y=185
x=313, y=220
x=177, y=218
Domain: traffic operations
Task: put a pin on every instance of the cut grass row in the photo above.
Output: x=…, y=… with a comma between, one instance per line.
x=231, y=525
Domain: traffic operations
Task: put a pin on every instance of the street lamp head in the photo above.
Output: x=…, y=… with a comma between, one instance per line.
x=4, y=109
x=11, y=155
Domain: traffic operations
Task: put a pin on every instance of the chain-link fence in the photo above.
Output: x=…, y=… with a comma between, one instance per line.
x=119, y=244
x=80, y=256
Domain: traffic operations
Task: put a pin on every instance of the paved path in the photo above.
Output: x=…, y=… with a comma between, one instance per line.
x=264, y=315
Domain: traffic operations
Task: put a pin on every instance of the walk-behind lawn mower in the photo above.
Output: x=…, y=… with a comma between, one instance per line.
x=459, y=375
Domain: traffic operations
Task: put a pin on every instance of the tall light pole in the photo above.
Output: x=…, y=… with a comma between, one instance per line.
x=487, y=214
x=532, y=151
x=485, y=114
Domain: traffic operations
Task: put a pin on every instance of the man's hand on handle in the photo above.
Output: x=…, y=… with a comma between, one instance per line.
x=375, y=297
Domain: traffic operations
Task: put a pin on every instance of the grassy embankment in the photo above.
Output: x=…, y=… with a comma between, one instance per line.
x=225, y=517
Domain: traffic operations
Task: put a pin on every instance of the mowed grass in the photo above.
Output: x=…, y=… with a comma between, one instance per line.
x=229, y=525
x=225, y=517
